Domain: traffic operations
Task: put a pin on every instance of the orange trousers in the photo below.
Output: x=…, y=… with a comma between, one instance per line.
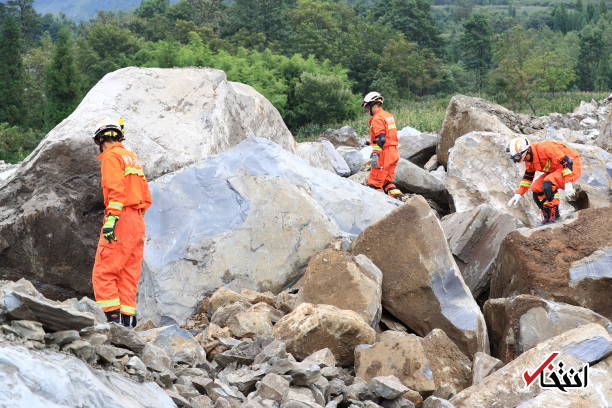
x=387, y=163
x=557, y=180
x=118, y=264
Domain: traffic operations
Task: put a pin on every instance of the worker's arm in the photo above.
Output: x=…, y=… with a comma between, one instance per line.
x=113, y=181
x=379, y=130
x=568, y=168
x=525, y=182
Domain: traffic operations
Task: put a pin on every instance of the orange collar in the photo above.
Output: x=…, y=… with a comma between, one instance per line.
x=115, y=145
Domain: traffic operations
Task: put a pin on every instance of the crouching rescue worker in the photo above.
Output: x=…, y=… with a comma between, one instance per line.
x=383, y=138
x=561, y=167
x=120, y=249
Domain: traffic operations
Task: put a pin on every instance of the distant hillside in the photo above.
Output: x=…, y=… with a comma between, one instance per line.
x=84, y=9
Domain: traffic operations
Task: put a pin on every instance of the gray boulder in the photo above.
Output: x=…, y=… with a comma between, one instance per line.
x=410, y=178
x=32, y=379
x=322, y=154
x=174, y=117
x=256, y=214
x=177, y=343
x=354, y=158
x=345, y=136
x=417, y=147
x=474, y=238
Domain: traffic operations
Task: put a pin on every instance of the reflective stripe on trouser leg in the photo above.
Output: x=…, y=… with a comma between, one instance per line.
x=105, y=273
x=132, y=264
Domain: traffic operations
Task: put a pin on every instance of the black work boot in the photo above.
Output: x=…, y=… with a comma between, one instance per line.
x=113, y=316
x=128, y=320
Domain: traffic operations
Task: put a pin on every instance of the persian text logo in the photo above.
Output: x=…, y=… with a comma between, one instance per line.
x=558, y=375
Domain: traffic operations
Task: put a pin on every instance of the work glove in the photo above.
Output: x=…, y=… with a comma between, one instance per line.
x=514, y=200
x=374, y=160
x=108, y=229
x=570, y=192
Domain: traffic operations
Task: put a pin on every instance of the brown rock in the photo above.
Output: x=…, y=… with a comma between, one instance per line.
x=450, y=367
x=313, y=327
x=568, y=262
x=340, y=279
x=250, y=324
x=519, y=323
x=422, y=285
x=222, y=297
x=256, y=297
x=402, y=356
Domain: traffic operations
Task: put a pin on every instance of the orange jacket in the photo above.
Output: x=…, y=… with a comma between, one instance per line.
x=547, y=156
x=383, y=122
x=123, y=180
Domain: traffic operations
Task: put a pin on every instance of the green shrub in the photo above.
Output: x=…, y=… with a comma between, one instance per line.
x=16, y=142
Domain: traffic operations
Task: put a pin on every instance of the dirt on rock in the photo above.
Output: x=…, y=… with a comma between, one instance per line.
x=538, y=261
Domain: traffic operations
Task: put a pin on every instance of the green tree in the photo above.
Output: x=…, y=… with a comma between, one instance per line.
x=551, y=71
x=592, y=49
x=17, y=142
x=63, y=88
x=476, y=44
x=413, y=18
x=260, y=16
x=149, y=8
x=512, y=82
x=35, y=62
x=12, y=73
x=322, y=99
x=29, y=20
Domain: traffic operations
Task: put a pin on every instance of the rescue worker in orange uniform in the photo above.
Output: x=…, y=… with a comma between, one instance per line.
x=383, y=138
x=561, y=167
x=120, y=248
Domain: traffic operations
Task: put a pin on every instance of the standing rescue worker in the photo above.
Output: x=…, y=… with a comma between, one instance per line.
x=120, y=249
x=561, y=167
x=383, y=138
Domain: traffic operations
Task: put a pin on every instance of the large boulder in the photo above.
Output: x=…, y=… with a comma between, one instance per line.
x=253, y=215
x=345, y=136
x=51, y=207
x=519, y=323
x=466, y=114
x=569, y=262
x=422, y=285
x=506, y=388
x=348, y=282
x=34, y=379
x=410, y=178
x=605, y=134
x=310, y=328
x=474, y=237
x=479, y=172
x=417, y=147
x=322, y=154
x=355, y=158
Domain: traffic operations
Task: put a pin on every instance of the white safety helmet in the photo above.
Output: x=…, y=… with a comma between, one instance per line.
x=517, y=148
x=372, y=97
x=109, y=128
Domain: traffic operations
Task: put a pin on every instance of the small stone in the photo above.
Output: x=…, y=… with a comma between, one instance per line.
x=124, y=337
x=218, y=389
x=63, y=337
x=201, y=401
x=145, y=325
x=331, y=372
x=136, y=364
x=254, y=297
x=244, y=353
x=167, y=378
x=222, y=297
x=299, y=397
x=273, y=314
x=200, y=383
x=155, y=358
x=272, y=387
x=222, y=403
x=110, y=353
x=398, y=403
x=82, y=350
x=28, y=329
x=323, y=357
x=186, y=391
x=435, y=402
x=276, y=348
x=250, y=324
x=178, y=399
x=304, y=373
x=387, y=387
x=484, y=365
x=359, y=391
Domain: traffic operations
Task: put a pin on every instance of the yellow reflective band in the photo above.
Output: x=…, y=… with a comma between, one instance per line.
x=525, y=183
x=392, y=126
x=106, y=303
x=547, y=166
x=128, y=310
x=377, y=148
x=556, y=195
x=115, y=205
x=394, y=191
x=566, y=172
x=133, y=170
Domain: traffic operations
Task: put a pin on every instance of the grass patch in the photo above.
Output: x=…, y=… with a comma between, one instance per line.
x=427, y=114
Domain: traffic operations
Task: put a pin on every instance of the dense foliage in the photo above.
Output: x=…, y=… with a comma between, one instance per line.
x=311, y=58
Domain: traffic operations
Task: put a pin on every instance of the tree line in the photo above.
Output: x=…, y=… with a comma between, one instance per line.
x=311, y=58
